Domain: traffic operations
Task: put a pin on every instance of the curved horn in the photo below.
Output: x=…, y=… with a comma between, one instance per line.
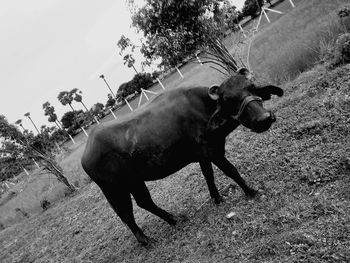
x=274, y=90
x=265, y=91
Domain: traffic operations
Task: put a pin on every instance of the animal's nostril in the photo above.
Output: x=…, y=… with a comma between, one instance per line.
x=265, y=116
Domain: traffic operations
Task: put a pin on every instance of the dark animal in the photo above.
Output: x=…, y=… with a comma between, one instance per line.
x=176, y=128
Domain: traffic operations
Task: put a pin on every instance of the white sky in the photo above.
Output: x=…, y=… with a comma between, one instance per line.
x=47, y=46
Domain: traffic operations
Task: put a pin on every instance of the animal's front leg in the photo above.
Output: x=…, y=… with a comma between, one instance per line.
x=231, y=171
x=208, y=173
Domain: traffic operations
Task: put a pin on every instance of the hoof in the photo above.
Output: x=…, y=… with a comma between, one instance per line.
x=143, y=240
x=178, y=219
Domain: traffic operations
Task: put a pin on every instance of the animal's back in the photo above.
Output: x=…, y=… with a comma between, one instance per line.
x=145, y=135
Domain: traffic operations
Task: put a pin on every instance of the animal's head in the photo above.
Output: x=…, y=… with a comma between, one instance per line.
x=241, y=99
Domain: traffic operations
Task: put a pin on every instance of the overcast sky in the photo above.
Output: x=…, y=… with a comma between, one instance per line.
x=48, y=46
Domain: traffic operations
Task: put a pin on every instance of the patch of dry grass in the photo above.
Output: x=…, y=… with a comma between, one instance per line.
x=295, y=41
x=302, y=165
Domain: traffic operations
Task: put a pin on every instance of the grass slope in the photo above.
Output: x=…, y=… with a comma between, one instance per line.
x=302, y=165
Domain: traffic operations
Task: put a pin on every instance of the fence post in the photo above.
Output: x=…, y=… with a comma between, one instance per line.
x=96, y=120
x=161, y=84
x=115, y=117
x=128, y=105
x=84, y=131
x=182, y=76
x=71, y=139
x=25, y=171
x=37, y=165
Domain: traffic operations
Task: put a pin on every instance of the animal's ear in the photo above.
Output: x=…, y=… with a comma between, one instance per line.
x=245, y=72
x=265, y=92
x=213, y=92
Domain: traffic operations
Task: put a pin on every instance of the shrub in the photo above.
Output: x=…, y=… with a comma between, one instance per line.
x=22, y=212
x=45, y=204
x=342, y=49
x=344, y=11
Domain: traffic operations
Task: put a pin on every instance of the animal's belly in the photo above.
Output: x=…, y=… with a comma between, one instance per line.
x=159, y=172
x=157, y=165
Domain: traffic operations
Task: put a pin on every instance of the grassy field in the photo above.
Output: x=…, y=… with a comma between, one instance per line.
x=302, y=165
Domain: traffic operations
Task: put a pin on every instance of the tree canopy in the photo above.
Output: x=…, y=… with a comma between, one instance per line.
x=140, y=80
x=176, y=29
x=73, y=120
x=110, y=101
x=252, y=7
x=49, y=110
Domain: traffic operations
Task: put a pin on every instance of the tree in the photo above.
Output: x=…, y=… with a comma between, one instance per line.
x=28, y=116
x=177, y=29
x=140, y=80
x=67, y=119
x=105, y=81
x=73, y=120
x=65, y=98
x=252, y=7
x=21, y=147
x=111, y=101
x=19, y=122
x=76, y=94
x=125, y=44
x=130, y=61
x=97, y=109
x=49, y=110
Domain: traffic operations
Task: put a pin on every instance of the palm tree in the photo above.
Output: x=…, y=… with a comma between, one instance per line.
x=76, y=94
x=50, y=111
x=103, y=77
x=19, y=122
x=65, y=98
x=130, y=61
x=28, y=116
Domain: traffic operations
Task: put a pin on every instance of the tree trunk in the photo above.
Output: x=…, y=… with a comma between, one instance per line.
x=34, y=125
x=90, y=114
x=53, y=167
x=84, y=106
x=134, y=69
x=58, y=126
x=70, y=104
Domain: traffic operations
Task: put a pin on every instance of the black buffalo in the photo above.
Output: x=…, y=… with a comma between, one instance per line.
x=176, y=128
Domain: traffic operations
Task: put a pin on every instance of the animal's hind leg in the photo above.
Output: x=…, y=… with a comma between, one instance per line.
x=120, y=200
x=144, y=200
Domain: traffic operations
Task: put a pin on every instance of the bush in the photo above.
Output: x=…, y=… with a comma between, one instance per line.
x=22, y=212
x=344, y=11
x=45, y=204
x=342, y=49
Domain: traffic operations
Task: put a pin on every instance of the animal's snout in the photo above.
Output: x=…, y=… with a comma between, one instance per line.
x=264, y=121
x=267, y=116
